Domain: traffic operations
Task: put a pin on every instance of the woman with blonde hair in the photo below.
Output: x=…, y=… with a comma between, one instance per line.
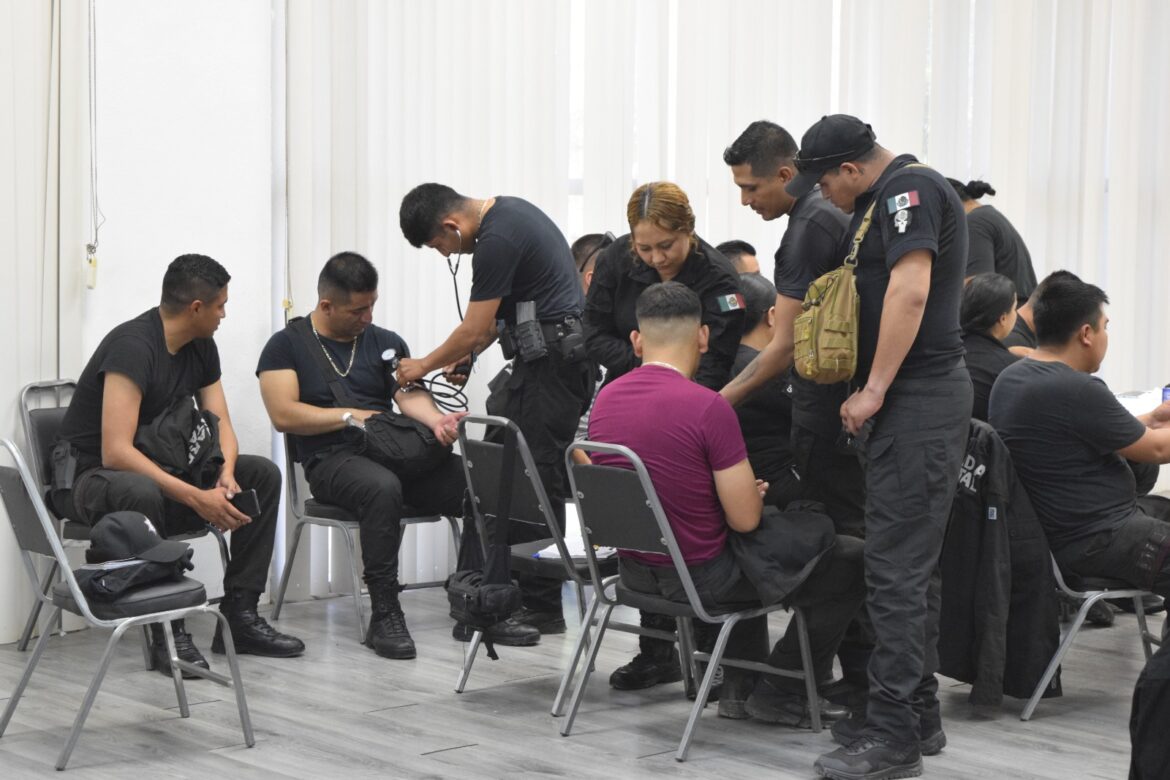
x=662, y=246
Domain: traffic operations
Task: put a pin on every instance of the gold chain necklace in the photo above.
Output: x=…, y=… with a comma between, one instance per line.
x=352, y=351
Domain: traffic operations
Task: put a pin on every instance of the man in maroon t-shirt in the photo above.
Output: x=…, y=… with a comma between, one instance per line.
x=689, y=438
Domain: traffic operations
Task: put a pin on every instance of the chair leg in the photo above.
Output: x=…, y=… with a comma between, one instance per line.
x=1139, y=609
x=469, y=660
x=587, y=672
x=578, y=649
x=35, y=612
x=91, y=694
x=806, y=662
x=684, y=746
x=455, y=534
x=288, y=565
x=351, y=548
x=237, y=681
x=34, y=659
x=176, y=672
x=1054, y=664
x=147, y=642
x=225, y=555
x=686, y=653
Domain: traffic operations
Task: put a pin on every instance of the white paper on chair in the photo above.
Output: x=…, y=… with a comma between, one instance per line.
x=574, y=543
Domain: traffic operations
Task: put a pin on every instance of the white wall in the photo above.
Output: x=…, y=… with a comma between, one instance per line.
x=185, y=162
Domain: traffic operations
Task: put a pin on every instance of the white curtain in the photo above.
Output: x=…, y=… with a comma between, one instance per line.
x=572, y=103
x=43, y=175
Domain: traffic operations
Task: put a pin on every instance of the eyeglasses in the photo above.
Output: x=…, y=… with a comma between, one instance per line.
x=605, y=241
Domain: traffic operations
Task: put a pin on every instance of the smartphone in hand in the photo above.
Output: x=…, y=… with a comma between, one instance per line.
x=247, y=502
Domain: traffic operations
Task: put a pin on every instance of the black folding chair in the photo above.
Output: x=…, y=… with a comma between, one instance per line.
x=483, y=463
x=36, y=534
x=306, y=511
x=618, y=507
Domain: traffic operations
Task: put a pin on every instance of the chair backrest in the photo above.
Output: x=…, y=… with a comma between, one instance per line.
x=483, y=464
x=42, y=422
x=34, y=525
x=296, y=501
x=619, y=507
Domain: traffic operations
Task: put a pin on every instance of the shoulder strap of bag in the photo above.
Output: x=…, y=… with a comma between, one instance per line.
x=303, y=328
x=504, y=510
x=867, y=220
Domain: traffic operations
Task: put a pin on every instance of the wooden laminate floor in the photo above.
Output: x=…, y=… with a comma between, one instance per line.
x=340, y=711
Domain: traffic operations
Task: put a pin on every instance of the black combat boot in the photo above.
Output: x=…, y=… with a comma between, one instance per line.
x=184, y=647
x=387, y=635
x=251, y=633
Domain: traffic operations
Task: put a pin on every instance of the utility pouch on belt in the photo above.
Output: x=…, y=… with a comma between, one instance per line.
x=527, y=334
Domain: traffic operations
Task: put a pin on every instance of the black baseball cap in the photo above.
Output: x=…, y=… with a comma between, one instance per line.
x=835, y=139
x=122, y=535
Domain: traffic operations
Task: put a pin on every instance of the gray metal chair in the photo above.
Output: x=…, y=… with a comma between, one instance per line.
x=618, y=507
x=41, y=424
x=483, y=463
x=1090, y=590
x=307, y=510
x=36, y=535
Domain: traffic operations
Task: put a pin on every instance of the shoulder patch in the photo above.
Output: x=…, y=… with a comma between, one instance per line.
x=906, y=200
x=733, y=302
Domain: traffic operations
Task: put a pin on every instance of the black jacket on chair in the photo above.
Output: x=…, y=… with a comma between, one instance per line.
x=999, y=625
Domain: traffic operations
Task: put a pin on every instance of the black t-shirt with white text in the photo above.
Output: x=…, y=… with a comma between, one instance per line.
x=814, y=243
x=369, y=382
x=1063, y=428
x=521, y=255
x=138, y=350
x=915, y=209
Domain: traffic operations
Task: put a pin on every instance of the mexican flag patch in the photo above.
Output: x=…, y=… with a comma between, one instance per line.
x=904, y=201
x=728, y=303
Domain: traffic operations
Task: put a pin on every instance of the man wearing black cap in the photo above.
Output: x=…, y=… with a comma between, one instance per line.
x=909, y=413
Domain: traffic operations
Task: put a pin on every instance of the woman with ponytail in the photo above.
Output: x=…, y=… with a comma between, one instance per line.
x=996, y=246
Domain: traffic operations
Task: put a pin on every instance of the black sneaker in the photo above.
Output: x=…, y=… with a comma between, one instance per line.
x=646, y=671
x=544, y=622
x=770, y=704
x=850, y=730
x=184, y=647
x=870, y=759
x=508, y=633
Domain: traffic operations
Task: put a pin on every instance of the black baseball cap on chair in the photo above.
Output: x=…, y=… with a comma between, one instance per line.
x=835, y=139
x=121, y=535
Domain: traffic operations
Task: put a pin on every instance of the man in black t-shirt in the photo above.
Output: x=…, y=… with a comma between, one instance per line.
x=909, y=414
x=1069, y=438
x=761, y=162
x=140, y=369
x=1022, y=340
x=524, y=287
x=296, y=389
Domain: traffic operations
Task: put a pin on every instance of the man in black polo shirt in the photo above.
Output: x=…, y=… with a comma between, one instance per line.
x=524, y=279
x=910, y=413
x=761, y=162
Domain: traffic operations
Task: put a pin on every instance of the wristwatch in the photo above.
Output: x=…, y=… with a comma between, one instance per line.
x=347, y=418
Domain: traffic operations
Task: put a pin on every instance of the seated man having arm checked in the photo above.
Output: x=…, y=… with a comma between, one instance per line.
x=689, y=438
x=297, y=395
